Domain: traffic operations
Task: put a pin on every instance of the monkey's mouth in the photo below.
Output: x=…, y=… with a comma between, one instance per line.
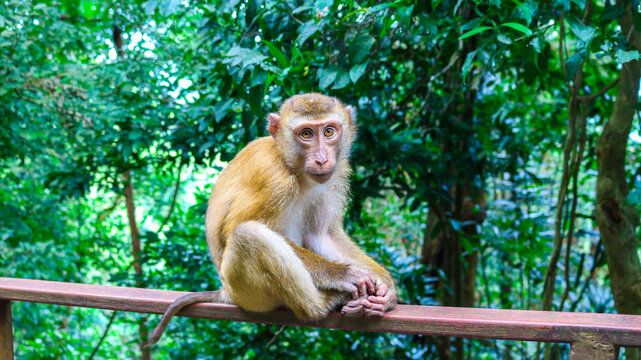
x=320, y=177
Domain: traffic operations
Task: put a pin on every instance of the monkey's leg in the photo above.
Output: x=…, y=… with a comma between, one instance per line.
x=329, y=278
x=261, y=270
x=181, y=302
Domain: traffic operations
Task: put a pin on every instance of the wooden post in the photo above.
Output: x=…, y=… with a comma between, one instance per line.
x=6, y=331
x=591, y=346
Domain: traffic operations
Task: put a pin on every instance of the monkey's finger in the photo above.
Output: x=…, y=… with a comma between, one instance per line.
x=380, y=299
x=382, y=289
x=362, y=289
x=354, y=292
x=351, y=307
x=352, y=311
x=376, y=307
x=371, y=285
x=355, y=303
x=374, y=313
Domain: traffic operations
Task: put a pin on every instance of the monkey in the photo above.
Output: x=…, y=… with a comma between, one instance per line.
x=274, y=222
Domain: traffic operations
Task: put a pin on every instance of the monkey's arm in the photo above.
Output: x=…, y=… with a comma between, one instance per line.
x=360, y=258
x=330, y=275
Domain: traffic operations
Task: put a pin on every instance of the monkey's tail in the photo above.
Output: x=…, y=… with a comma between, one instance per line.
x=177, y=305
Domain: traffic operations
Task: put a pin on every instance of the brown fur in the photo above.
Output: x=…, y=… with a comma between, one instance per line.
x=309, y=105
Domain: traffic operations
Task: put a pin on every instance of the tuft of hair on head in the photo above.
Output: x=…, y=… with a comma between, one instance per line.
x=310, y=104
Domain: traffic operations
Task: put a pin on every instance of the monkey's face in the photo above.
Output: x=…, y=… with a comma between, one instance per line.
x=320, y=142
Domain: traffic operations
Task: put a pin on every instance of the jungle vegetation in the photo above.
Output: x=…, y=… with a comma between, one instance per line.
x=496, y=165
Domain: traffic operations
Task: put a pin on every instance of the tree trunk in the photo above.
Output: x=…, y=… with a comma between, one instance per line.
x=136, y=249
x=131, y=216
x=443, y=247
x=617, y=221
x=444, y=253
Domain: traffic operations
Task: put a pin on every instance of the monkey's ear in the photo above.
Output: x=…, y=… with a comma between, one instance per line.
x=274, y=123
x=352, y=114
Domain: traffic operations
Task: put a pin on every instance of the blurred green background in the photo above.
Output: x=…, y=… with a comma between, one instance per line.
x=496, y=165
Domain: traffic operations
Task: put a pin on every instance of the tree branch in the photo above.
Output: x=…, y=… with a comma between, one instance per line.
x=103, y=215
x=561, y=45
x=282, y=328
x=598, y=253
x=104, y=335
x=576, y=166
x=173, y=199
x=590, y=98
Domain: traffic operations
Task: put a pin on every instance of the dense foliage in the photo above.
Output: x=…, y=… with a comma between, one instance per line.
x=476, y=164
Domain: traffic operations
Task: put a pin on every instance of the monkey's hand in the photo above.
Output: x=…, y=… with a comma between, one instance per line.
x=381, y=302
x=364, y=287
x=356, y=281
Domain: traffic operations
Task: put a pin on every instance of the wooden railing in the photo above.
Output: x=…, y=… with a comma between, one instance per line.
x=592, y=336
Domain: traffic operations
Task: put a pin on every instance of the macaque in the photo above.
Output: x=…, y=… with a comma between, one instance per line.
x=274, y=222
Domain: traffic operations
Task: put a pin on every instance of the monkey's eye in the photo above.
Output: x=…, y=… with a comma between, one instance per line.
x=306, y=134
x=329, y=132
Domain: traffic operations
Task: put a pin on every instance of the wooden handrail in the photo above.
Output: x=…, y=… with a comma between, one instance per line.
x=588, y=333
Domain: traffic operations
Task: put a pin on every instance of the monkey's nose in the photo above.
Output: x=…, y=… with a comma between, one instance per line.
x=321, y=161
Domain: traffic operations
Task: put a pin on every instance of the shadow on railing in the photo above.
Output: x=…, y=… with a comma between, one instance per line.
x=592, y=336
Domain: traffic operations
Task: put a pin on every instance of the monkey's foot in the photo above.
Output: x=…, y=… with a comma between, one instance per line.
x=354, y=308
x=382, y=302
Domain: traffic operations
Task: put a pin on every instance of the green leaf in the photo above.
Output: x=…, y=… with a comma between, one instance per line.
x=573, y=63
x=277, y=54
x=150, y=6
x=323, y=7
x=526, y=12
x=246, y=57
x=565, y=4
x=326, y=77
x=634, y=197
x=582, y=31
x=255, y=100
x=306, y=30
x=467, y=65
x=203, y=124
x=302, y=9
x=518, y=27
x=221, y=109
x=380, y=7
x=474, y=31
x=613, y=12
x=580, y=3
x=168, y=7
x=341, y=81
x=536, y=45
x=89, y=9
x=360, y=47
x=259, y=76
x=405, y=15
x=430, y=25
x=504, y=39
x=126, y=151
x=357, y=71
x=252, y=11
x=227, y=6
x=626, y=56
